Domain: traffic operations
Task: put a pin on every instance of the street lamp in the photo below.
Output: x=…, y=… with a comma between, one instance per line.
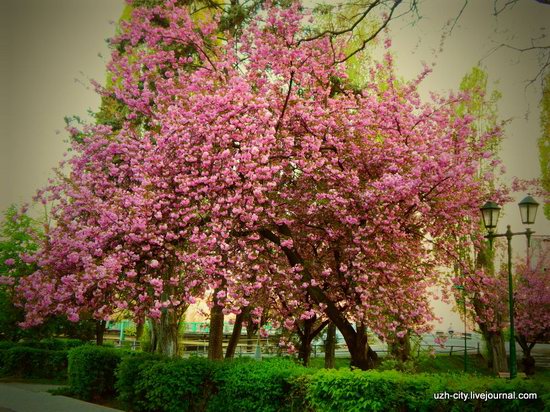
x=489, y=212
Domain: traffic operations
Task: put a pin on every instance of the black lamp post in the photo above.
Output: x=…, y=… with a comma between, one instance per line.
x=489, y=212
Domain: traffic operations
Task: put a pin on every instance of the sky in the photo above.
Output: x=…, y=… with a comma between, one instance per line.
x=50, y=49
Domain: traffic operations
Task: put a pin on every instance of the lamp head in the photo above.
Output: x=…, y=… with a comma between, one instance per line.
x=528, y=210
x=490, y=212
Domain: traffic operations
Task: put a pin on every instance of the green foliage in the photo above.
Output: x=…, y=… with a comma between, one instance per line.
x=248, y=385
x=147, y=382
x=15, y=240
x=24, y=362
x=52, y=344
x=18, y=236
x=364, y=391
x=127, y=375
x=544, y=141
x=92, y=371
x=337, y=16
x=396, y=364
x=174, y=385
x=483, y=107
x=355, y=391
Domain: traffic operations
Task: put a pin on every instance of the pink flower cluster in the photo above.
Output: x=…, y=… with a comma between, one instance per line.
x=241, y=168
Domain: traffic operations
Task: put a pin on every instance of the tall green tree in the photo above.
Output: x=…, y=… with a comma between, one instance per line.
x=474, y=273
x=544, y=142
x=15, y=241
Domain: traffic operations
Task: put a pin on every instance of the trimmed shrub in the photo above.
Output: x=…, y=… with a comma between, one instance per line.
x=92, y=371
x=249, y=385
x=7, y=344
x=356, y=391
x=127, y=376
x=48, y=344
x=342, y=390
x=53, y=344
x=23, y=362
x=167, y=385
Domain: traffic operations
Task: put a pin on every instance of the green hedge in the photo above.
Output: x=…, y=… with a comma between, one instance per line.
x=128, y=374
x=48, y=344
x=249, y=385
x=91, y=371
x=149, y=383
x=146, y=382
x=54, y=344
x=357, y=391
x=174, y=385
x=23, y=362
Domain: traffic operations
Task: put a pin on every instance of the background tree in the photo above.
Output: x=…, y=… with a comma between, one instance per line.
x=15, y=241
x=532, y=310
x=544, y=142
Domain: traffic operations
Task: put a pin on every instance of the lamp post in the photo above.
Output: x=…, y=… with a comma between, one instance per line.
x=490, y=212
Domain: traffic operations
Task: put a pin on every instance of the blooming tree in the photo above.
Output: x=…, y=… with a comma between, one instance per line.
x=250, y=162
x=532, y=307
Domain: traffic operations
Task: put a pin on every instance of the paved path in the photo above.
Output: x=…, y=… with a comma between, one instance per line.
x=27, y=397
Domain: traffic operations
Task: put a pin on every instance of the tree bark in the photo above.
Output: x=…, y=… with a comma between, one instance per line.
x=164, y=333
x=236, y=334
x=495, y=342
x=304, y=351
x=167, y=341
x=401, y=349
x=251, y=330
x=330, y=347
x=307, y=333
x=498, y=361
x=153, y=334
x=99, y=331
x=362, y=356
x=139, y=331
x=528, y=361
x=215, y=337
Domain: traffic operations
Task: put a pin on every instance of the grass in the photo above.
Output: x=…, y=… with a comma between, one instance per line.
x=40, y=381
x=444, y=363
x=319, y=363
x=441, y=363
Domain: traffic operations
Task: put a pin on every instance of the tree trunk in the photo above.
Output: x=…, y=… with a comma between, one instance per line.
x=99, y=331
x=236, y=334
x=401, y=349
x=153, y=334
x=528, y=362
x=330, y=346
x=215, y=337
x=251, y=330
x=164, y=333
x=497, y=352
x=362, y=356
x=139, y=331
x=304, y=351
x=307, y=333
x=167, y=340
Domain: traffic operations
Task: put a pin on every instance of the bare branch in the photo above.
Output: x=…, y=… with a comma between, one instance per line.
x=373, y=35
x=459, y=15
x=280, y=121
x=349, y=29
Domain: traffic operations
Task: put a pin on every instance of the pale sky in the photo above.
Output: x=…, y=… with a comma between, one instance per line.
x=49, y=49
